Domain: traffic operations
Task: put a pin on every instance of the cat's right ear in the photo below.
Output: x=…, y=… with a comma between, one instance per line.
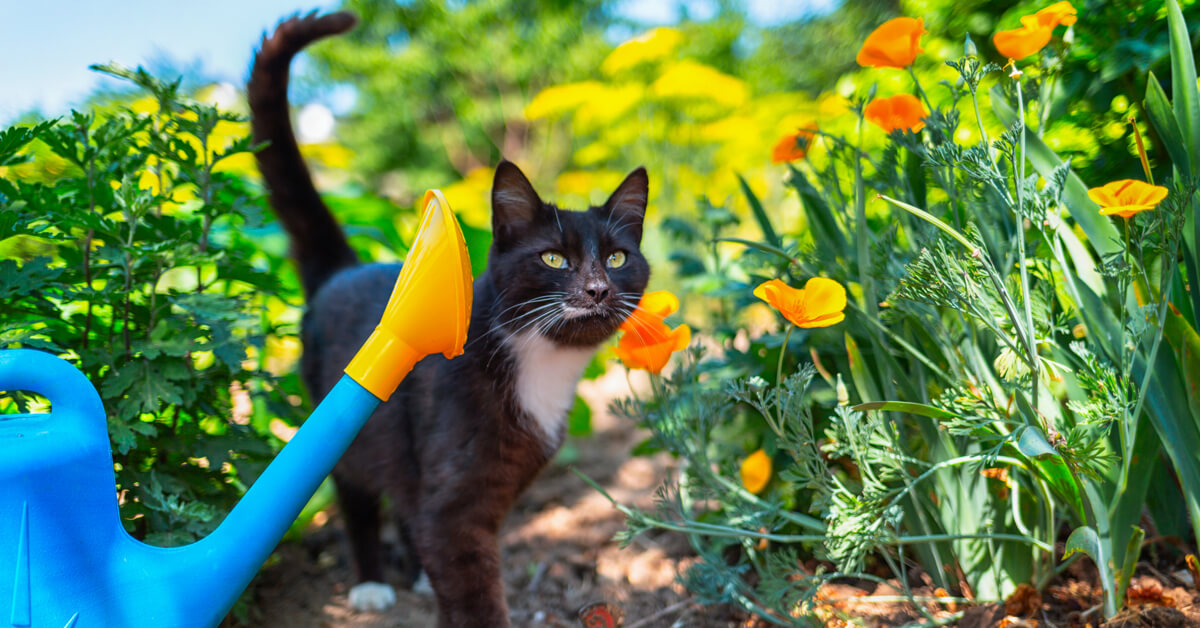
x=514, y=201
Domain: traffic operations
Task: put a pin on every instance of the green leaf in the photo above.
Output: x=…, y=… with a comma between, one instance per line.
x=828, y=237
x=906, y=407
x=864, y=383
x=1085, y=540
x=1162, y=116
x=766, y=248
x=1033, y=443
x=760, y=215
x=1186, y=94
x=933, y=220
x=1133, y=550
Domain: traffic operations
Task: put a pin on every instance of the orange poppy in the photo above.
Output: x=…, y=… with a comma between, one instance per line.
x=1019, y=43
x=652, y=352
x=894, y=44
x=1127, y=197
x=1058, y=13
x=650, y=311
x=793, y=147
x=756, y=471
x=902, y=111
x=818, y=304
x=1035, y=31
x=648, y=342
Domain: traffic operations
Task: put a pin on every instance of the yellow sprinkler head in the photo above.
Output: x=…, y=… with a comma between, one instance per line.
x=430, y=306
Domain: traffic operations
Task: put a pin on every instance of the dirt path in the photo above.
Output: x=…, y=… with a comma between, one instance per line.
x=556, y=545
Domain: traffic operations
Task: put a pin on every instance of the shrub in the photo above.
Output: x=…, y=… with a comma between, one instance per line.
x=123, y=250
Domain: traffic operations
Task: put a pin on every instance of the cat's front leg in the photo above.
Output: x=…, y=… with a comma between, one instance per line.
x=461, y=556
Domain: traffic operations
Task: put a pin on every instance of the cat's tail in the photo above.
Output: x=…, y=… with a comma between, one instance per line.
x=318, y=244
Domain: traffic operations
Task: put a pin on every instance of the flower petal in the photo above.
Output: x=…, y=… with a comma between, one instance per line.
x=756, y=471
x=902, y=111
x=894, y=44
x=1019, y=43
x=1058, y=13
x=823, y=297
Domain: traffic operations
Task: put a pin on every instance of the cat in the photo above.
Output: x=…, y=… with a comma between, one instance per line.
x=461, y=439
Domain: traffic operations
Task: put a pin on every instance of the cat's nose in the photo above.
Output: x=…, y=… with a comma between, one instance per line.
x=598, y=292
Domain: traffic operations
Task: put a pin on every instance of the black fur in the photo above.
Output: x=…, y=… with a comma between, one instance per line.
x=454, y=447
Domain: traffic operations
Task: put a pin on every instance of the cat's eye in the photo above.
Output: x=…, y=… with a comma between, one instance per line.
x=554, y=259
x=616, y=260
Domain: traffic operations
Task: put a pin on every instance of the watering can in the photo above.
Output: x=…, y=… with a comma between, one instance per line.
x=65, y=559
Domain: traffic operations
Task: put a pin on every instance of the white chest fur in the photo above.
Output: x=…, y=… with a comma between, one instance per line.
x=546, y=377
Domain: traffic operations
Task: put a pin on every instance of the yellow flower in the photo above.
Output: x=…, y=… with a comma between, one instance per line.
x=648, y=342
x=1019, y=43
x=756, y=471
x=1127, y=197
x=894, y=44
x=902, y=111
x=795, y=146
x=649, y=46
x=818, y=304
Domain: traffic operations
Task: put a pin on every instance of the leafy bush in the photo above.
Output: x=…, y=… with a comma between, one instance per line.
x=1002, y=350
x=122, y=249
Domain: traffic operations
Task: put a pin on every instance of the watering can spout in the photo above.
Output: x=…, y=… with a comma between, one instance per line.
x=75, y=566
x=428, y=313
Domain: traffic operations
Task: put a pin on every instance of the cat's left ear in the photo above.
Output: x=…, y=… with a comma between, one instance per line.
x=627, y=205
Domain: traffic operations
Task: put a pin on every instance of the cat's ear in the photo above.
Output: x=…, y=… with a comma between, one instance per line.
x=627, y=205
x=514, y=201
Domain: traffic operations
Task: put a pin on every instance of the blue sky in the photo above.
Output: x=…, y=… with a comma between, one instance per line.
x=47, y=45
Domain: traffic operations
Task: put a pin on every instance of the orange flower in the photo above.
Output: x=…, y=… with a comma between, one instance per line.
x=793, y=147
x=902, y=111
x=648, y=316
x=818, y=304
x=1035, y=31
x=1127, y=197
x=1019, y=43
x=648, y=342
x=756, y=471
x=1055, y=14
x=894, y=44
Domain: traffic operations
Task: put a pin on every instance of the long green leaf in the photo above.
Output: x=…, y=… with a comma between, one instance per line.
x=827, y=236
x=762, y=246
x=1186, y=343
x=1100, y=231
x=1186, y=95
x=859, y=372
x=1162, y=116
x=1169, y=412
x=764, y=222
x=933, y=220
x=1084, y=539
x=907, y=407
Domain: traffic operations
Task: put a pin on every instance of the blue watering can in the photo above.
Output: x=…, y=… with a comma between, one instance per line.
x=65, y=559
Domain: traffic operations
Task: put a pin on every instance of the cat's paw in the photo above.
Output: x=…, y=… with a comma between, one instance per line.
x=372, y=596
x=423, y=586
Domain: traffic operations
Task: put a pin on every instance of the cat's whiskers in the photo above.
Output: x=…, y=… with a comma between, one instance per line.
x=549, y=298
x=545, y=312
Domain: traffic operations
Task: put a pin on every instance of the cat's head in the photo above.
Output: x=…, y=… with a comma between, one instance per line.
x=572, y=276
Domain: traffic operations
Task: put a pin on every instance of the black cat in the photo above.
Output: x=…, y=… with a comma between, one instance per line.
x=462, y=438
